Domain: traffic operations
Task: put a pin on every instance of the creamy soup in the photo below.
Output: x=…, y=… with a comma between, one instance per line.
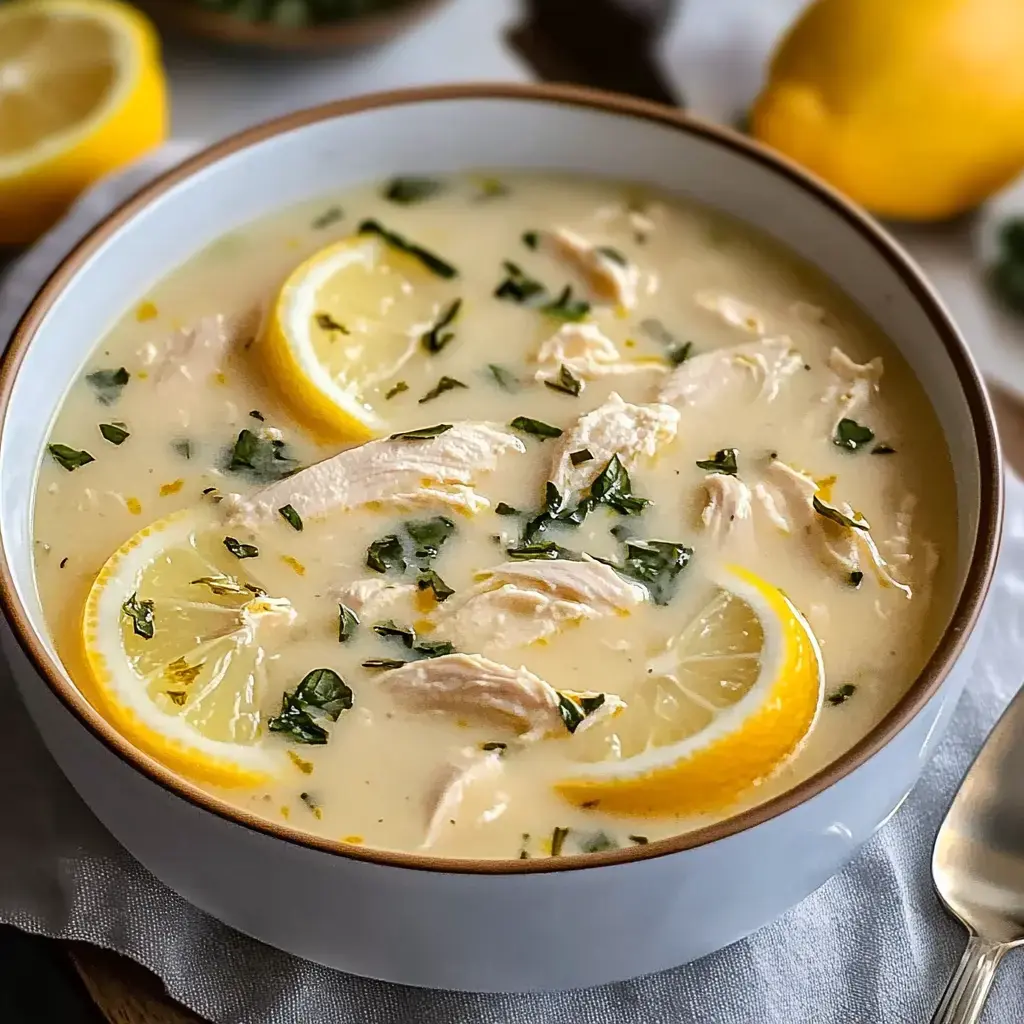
x=532, y=516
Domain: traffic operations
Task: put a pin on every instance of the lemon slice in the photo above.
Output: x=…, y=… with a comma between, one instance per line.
x=724, y=706
x=343, y=325
x=82, y=93
x=176, y=638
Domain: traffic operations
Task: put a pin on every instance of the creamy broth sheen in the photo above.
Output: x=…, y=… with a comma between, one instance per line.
x=705, y=280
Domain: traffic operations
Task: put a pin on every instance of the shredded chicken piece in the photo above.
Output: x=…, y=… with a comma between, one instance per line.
x=194, y=353
x=856, y=383
x=470, y=684
x=733, y=311
x=838, y=547
x=470, y=769
x=436, y=471
x=607, y=279
x=709, y=377
x=728, y=504
x=899, y=547
x=588, y=353
x=614, y=428
x=372, y=597
x=519, y=603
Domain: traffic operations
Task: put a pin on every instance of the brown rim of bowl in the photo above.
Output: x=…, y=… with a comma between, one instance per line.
x=220, y=27
x=924, y=687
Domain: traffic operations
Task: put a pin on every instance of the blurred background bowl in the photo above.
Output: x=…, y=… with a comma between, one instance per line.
x=291, y=24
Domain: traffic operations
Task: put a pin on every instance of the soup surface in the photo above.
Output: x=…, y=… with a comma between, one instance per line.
x=531, y=516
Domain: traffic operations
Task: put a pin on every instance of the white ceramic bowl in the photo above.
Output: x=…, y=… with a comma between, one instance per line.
x=488, y=925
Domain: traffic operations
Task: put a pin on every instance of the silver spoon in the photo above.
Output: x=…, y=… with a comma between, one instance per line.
x=978, y=865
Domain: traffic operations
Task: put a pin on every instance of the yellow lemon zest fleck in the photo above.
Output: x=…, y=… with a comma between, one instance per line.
x=353, y=840
x=295, y=564
x=286, y=812
x=146, y=311
x=306, y=767
x=143, y=375
x=134, y=506
x=172, y=488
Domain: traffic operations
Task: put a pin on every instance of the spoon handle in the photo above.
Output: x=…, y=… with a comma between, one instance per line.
x=965, y=995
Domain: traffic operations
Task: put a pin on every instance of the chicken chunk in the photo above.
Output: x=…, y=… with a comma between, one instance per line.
x=406, y=473
x=194, y=353
x=728, y=504
x=788, y=497
x=733, y=311
x=519, y=603
x=614, y=428
x=373, y=597
x=854, y=386
x=470, y=685
x=584, y=349
x=609, y=279
x=717, y=375
x=469, y=771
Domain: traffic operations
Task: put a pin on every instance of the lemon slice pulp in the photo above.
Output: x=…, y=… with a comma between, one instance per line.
x=176, y=638
x=343, y=325
x=729, y=701
x=82, y=92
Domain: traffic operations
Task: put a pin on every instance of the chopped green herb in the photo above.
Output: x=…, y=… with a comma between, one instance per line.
x=412, y=189
x=851, y=435
x=724, y=461
x=437, y=337
x=433, y=263
x=1006, y=276
x=541, y=549
x=597, y=843
x=291, y=517
x=565, y=307
x=396, y=389
x=520, y=287
x=323, y=695
x=141, y=614
x=434, y=648
x=504, y=509
x=856, y=577
x=613, y=254
x=842, y=694
x=63, y=562
x=622, y=531
x=656, y=564
x=183, y=447
x=639, y=840
x=348, y=623
x=330, y=216
x=406, y=635
x=257, y=415
x=574, y=710
x=326, y=322
x=676, y=351
x=505, y=379
x=429, y=535
x=263, y=459
x=558, y=837
x=311, y=804
x=386, y=555
x=493, y=745
x=390, y=629
x=115, y=433
x=178, y=697
x=383, y=663
x=536, y=427
x=443, y=385
x=180, y=673
x=108, y=384
x=612, y=487
x=428, y=579
x=421, y=433
x=70, y=458
x=581, y=456
x=835, y=516
x=531, y=239
x=883, y=449
x=240, y=550
x=565, y=382
x=222, y=585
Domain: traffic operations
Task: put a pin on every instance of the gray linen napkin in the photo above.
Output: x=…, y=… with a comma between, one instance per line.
x=872, y=945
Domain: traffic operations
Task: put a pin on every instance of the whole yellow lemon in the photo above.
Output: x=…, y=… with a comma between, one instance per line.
x=914, y=108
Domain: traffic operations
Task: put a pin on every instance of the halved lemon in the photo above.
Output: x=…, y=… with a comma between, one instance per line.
x=176, y=637
x=82, y=92
x=729, y=701
x=343, y=325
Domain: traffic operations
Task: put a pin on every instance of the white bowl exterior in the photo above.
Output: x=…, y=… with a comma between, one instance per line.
x=460, y=930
